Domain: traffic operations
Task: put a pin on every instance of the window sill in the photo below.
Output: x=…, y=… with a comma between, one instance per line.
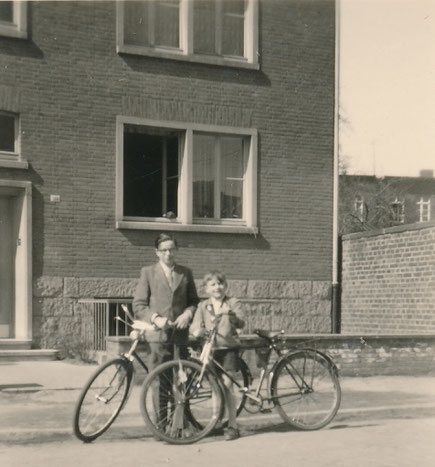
x=175, y=226
x=14, y=164
x=175, y=55
x=11, y=31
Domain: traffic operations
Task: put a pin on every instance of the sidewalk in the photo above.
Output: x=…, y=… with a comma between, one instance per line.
x=37, y=401
x=44, y=375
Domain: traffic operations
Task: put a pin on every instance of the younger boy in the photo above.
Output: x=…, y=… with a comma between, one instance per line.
x=231, y=319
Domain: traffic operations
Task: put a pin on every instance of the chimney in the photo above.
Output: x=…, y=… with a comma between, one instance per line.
x=426, y=173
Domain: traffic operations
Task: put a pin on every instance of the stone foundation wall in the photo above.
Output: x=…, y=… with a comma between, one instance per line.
x=295, y=306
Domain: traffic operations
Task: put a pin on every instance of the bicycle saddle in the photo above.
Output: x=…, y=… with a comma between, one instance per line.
x=268, y=334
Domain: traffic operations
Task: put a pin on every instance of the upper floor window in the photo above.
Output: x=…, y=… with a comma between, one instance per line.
x=398, y=211
x=10, y=141
x=423, y=210
x=218, y=27
x=8, y=136
x=13, y=19
x=221, y=32
x=178, y=176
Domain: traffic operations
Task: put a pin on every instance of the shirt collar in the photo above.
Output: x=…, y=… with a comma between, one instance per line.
x=216, y=303
x=166, y=269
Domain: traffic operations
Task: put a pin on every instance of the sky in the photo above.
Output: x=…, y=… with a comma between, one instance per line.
x=387, y=86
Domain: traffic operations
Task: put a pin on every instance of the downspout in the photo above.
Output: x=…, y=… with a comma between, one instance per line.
x=335, y=312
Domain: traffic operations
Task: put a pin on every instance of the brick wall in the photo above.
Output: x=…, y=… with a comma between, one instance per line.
x=388, y=281
x=68, y=84
x=354, y=355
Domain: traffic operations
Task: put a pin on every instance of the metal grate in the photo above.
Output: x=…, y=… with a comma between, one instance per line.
x=98, y=320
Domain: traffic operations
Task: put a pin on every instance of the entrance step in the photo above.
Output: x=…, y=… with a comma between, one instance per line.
x=28, y=355
x=15, y=344
x=13, y=350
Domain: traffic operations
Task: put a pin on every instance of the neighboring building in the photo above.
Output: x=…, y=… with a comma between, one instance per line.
x=369, y=202
x=212, y=120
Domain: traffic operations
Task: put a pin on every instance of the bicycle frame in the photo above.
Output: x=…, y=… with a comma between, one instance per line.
x=273, y=346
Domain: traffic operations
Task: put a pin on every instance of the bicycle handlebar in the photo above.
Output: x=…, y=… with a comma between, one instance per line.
x=139, y=325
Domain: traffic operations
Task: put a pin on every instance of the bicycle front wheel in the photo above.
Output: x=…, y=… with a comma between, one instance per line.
x=101, y=399
x=305, y=390
x=180, y=403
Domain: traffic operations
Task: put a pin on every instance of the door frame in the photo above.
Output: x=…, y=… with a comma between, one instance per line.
x=21, y=192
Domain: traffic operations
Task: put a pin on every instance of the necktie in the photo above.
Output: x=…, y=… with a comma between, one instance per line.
x=171, y=279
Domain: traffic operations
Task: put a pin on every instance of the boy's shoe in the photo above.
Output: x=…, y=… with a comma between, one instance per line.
x=231, y=433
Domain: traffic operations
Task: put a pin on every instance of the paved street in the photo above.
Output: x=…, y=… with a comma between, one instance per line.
x=392, y=443
x=383, y=421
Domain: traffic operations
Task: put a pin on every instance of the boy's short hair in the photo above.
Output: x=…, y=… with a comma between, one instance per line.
x=218, y=275
x=163, y=237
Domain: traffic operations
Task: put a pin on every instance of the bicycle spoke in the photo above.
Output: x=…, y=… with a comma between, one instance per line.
x=102, y=399
x=180, y=408
x=306, y=391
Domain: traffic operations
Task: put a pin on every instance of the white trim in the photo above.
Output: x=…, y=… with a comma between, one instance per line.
x=185, y=53
x=424, y=209
x=251, y=185
x=186, y=170
x=23, y=258
x=13, y=164
x=185, y=219
x=119, y=192
x=175, y=125
x=176, y=226
x=13, y=158
x=18, y=28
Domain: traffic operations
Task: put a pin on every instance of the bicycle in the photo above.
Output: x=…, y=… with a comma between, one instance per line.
x=303, y=386
x=108, y=388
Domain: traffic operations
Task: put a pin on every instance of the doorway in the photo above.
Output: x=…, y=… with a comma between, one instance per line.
x=15, y=260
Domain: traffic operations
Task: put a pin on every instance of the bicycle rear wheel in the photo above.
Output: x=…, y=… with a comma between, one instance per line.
x=101, y=399
x=305, y=390
x=180, y=405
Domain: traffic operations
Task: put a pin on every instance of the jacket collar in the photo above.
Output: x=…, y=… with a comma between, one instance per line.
x=177, y=275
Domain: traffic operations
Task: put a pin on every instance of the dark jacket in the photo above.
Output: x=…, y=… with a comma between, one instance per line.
x=154, y=295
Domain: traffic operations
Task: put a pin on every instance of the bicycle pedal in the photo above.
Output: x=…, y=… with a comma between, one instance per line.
x=266, y=410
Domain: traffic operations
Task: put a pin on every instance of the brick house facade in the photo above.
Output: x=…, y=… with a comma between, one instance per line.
x=82, y=91
x=369, y=202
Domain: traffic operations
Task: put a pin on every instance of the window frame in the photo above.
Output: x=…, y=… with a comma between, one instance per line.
x=218, y=182
x=18, y=27
x=185, y=51
x=398, y=210
x=359, y=208
x=423, y=209
x=13, y=158
x=185, y=220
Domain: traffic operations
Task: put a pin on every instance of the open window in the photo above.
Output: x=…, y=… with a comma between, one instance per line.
x=185, y=176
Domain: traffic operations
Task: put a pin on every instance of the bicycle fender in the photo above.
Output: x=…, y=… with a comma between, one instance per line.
x=326, y=356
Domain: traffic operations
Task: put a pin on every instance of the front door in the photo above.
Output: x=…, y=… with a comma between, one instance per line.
x=7, y=268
